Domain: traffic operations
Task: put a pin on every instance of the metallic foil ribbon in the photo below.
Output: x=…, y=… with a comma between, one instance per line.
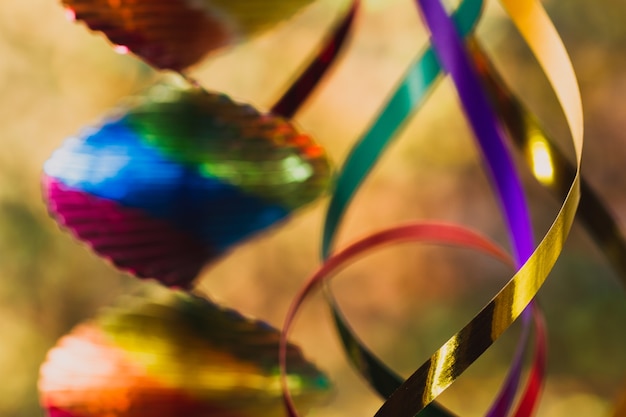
x=531, y=138
x=419, y=232
x=308, y=80
x=552, y=169
x=407, y=97
x=529, y=16
x=456, y=354
x=167, y=353
x=384, y=381
x=450, y=50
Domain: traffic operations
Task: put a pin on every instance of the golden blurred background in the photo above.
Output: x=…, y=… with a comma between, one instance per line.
x=56, y=77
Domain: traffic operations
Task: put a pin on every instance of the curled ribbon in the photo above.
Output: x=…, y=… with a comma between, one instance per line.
x=454, y=357
x=409, y=96
x=309, y=78
x=531, y=138
x=451, y=53
x=456, y=354
x=422, y=232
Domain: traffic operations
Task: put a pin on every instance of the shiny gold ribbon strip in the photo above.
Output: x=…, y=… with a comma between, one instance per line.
x=549, y=165
x=440, y=233
x=453, y=358
x=461, y=350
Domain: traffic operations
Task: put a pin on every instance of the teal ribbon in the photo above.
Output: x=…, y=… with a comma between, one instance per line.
x=417, y=83
x=409, y=96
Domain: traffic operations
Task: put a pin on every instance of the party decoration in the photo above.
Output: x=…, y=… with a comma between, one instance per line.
x=300, y=90
x=418, y=81
x=176, y=34
x=409, y=96
x=552, y=243
x=176, y=176
x=380, y=376
x=166, y=353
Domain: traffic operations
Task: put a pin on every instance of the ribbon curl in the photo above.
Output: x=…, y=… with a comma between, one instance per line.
x=521, y=289
x=407, y=98
x=427, y=382
x=420, y=232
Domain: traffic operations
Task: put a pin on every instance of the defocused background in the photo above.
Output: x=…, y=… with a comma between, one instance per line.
x=56, y=77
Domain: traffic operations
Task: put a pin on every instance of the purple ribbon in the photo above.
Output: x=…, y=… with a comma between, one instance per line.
x=450, y=51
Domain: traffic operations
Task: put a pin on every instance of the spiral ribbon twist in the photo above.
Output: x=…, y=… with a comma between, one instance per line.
x=415, y=394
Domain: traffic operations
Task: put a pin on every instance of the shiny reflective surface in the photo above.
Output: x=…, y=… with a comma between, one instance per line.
x=179, y=164
x=176, y=34
x=167, y=353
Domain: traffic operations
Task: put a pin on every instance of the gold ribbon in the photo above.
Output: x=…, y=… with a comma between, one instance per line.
x=453, y=358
